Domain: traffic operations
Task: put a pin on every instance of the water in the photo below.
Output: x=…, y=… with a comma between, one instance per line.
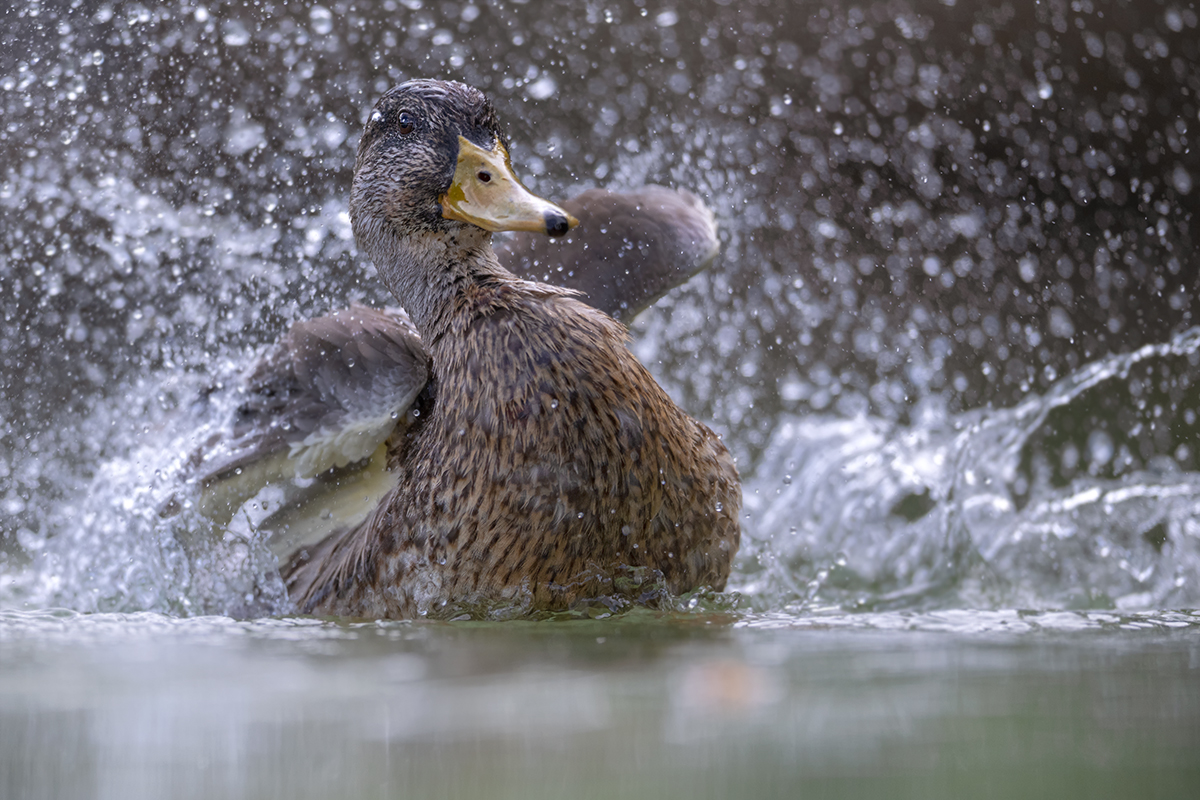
x=951, y=338
x=915, y=705
x=987, y=508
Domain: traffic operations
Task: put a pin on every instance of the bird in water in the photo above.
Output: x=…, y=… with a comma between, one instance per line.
x=501, y=443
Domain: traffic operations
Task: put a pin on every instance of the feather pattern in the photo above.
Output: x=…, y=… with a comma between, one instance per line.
x=544, y=462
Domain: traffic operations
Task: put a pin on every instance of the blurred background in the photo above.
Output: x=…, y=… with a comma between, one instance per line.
x=951, y=338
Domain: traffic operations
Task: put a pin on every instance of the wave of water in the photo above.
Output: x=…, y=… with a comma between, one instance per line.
x=868, y=514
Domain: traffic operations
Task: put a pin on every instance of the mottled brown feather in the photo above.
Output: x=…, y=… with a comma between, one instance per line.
x=549, y=462
x=533, y=456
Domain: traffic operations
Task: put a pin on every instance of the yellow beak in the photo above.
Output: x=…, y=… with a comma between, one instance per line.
x=485, y=192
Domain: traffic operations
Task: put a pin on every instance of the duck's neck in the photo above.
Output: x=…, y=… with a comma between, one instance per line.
x=429, y=274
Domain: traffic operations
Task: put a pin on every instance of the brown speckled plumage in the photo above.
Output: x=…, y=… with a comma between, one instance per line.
x=549, y=460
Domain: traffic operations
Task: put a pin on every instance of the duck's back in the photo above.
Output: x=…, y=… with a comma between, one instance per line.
x=550, y=463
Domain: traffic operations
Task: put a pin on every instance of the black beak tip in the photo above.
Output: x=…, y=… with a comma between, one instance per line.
x=557, y=224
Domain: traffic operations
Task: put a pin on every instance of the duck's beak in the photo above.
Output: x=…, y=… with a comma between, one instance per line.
x=485, y=192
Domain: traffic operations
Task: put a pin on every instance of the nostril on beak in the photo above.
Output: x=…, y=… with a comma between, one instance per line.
x=556, y=224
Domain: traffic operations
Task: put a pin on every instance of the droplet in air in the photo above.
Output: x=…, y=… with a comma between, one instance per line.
x=321, y=19
x=1100, y=447
x=542, y=89
x=1181, y=179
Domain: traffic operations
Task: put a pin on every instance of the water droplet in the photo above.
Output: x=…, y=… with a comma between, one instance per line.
x=235, y=34
x=1100, y=447
x=321, y=19
x=542, y=89
x=1181, y=179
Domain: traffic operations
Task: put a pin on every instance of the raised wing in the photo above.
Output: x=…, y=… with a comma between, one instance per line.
x=315, y=411
x=629, y=249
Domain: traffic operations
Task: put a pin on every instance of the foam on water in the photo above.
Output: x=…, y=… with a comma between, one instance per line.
x=50, y=627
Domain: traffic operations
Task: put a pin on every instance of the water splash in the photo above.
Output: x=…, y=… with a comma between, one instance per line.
x=860, y=514
x=869, y=514
x=924, y=208
x=100, y=543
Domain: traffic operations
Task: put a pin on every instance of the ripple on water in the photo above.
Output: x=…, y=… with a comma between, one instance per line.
x=65, y=627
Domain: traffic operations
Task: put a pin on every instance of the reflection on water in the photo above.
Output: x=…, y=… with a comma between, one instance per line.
x=926, y=705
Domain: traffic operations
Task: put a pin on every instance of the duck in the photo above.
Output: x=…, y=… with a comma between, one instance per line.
x=304, y=451
x=493, y=439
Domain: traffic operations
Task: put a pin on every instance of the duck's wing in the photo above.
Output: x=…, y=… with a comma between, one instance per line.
x=629, y=249
x=315, y=413
x=332, y=389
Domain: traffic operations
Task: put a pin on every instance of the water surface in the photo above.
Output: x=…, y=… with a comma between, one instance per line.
x=1002, y=704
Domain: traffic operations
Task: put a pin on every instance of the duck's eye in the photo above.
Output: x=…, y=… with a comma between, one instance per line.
x=406, y=123
x=485, y=176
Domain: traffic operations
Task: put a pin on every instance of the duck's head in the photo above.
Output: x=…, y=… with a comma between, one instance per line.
x=433, y=164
